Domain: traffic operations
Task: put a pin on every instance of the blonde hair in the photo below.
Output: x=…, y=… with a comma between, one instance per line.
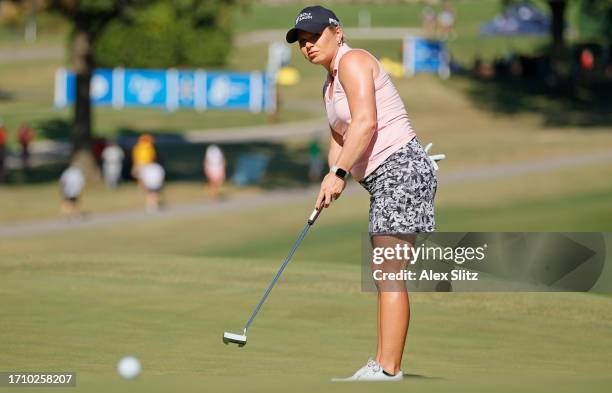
x=333, y=29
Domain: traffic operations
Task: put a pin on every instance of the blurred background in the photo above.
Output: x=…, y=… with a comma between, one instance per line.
x=197, y=137
x=533, y=74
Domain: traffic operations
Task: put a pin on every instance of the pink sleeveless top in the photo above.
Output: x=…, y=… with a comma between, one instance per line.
x=393, y=128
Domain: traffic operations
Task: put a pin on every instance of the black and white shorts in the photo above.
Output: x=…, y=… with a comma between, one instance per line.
x=402, y=191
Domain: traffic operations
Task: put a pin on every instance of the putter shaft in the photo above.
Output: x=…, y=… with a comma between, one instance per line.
x=311, y=220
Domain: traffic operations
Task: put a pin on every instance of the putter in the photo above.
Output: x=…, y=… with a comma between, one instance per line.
x=241, y=339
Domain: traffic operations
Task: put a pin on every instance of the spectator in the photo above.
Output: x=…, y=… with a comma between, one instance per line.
x=72, y=182
x=143, y=153
x=25, y=135
x=214, y=170
x=112, y=164
x=315, y=161
x=97, y=147
x=429, y=21
x=587, y=59
x=446, y=21
x=2, y=150
x=152, y=179
x=481, y=69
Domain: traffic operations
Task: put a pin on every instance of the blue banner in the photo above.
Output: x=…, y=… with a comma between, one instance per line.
x=144, y=88
x=172, y=89
x=102, y=87
x=234, y=91
x=187, y=89
x=423, y=55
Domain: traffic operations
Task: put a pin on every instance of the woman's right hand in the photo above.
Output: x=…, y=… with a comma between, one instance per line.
x=331, y=188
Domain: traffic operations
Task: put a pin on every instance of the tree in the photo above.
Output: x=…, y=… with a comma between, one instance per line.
x=557, y=11
x=595, y=21
x=168, y=34
x=600, y=8
x=557, y=26
x=89, y=20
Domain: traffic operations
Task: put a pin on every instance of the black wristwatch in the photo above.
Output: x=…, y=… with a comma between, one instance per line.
x=341, y=173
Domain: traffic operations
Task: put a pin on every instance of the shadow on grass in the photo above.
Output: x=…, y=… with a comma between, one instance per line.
x=560, y=105
x=40, y=174
x=182, y=160
x=420, y=376
x=287, y=166
x=6, y=95
x=55, y=128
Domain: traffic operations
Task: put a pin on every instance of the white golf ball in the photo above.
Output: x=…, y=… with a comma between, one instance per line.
x=129, y=367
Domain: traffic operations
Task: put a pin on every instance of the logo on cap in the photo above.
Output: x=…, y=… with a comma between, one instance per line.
x=302, y=16
x=333, y=22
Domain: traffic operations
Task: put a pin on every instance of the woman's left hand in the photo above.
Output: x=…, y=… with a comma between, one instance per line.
x=331, y=188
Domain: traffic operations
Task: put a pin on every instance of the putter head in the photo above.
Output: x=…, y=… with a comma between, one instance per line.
x=240, y=339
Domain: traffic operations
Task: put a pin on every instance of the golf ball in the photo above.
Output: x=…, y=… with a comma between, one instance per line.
x=129, y=367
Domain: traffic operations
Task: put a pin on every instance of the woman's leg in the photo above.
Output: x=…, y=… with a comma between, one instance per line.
x=393, y=306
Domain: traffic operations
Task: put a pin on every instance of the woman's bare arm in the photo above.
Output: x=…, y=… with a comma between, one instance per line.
x=356, y=71
x=335, y=147
x=357, y=78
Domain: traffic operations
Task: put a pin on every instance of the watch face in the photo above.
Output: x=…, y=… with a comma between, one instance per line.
x=340, y=172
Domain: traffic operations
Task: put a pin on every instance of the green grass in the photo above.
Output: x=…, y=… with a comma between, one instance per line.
x=391, y=14
x=585, y=211
x=51, y=29
x=165, y=291
x=27, y=202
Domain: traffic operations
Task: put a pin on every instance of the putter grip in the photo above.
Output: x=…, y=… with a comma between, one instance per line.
x=313, y=216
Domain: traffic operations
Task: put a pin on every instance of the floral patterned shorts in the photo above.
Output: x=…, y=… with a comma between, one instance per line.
x=402, y=191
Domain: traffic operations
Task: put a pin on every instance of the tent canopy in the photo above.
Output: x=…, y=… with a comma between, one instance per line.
x=518, y=19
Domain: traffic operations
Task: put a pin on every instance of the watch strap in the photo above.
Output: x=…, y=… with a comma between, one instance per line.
x=341, y=173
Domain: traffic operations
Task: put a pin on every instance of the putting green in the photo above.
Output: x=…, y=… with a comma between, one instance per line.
x=83, y=312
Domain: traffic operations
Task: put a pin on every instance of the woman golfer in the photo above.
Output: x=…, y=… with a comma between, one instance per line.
x=371, y=137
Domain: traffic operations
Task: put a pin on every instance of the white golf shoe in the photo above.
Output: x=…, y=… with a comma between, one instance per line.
x=370, y=363
x=372, y=371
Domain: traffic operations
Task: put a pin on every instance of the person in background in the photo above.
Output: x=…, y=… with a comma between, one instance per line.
x=112, y=164
x=214, y=170
x=315, y=161
x=25, y=135
x=97, y=147
x=143, y=153
x=72, y=182
x=429, y=21
x=446, y=21
x=2, y=150
x=152, y=177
